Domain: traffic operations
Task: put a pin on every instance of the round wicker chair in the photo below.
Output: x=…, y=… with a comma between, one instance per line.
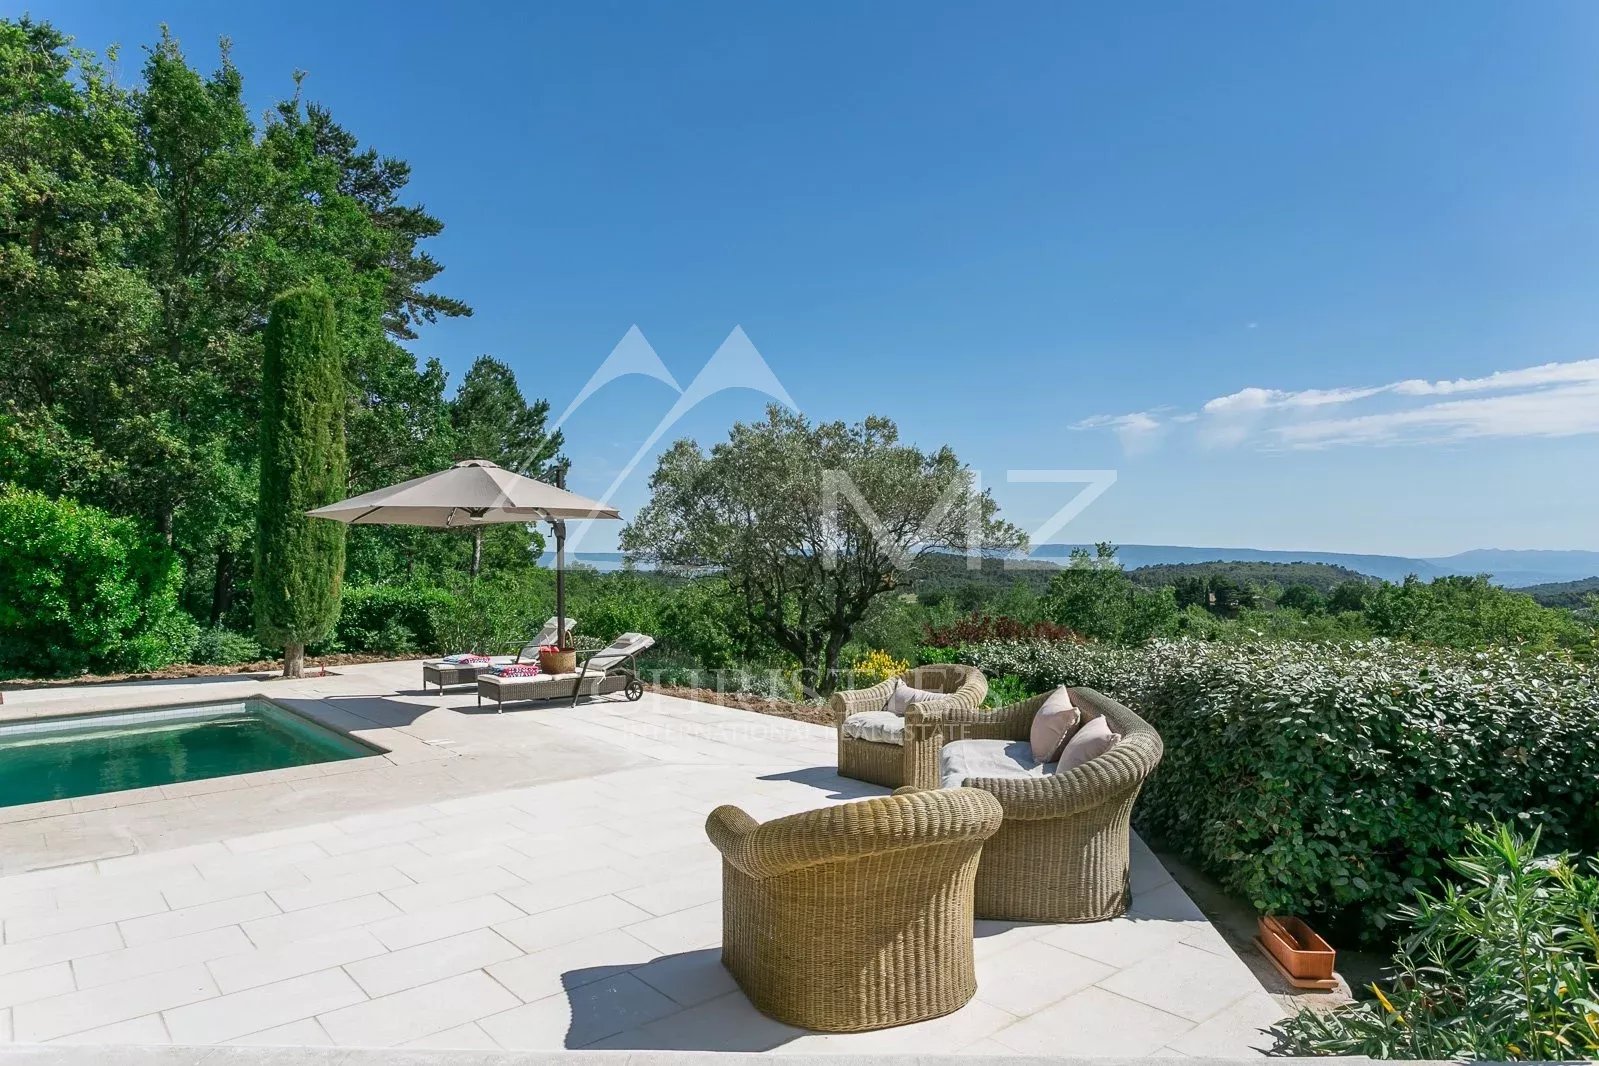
x=964, y=687
x=1062, y=853
x=857, y=916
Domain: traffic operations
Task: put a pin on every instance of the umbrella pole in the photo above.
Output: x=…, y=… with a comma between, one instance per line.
x=560, y=582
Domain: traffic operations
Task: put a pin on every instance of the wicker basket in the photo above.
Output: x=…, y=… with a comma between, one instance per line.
x=558, y=662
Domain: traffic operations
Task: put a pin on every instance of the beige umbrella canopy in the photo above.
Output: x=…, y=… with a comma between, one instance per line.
x=471, y=493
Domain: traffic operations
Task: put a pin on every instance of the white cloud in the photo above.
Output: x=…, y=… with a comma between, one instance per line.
x=1582, y=370
x=1549, y=400
x=1139, y=431
x=1565, y=411
x=1256, y=399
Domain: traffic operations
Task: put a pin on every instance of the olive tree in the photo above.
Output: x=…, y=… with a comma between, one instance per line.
x=811, y=523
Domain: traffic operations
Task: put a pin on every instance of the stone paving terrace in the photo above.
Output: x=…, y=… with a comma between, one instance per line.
x=533, y=880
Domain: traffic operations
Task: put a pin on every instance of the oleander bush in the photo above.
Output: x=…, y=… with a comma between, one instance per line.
x=1334, y=780
x=82, y=590
x=1500, y=964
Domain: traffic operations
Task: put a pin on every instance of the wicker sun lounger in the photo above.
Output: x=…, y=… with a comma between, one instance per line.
x=443, y=674
x=611, y=669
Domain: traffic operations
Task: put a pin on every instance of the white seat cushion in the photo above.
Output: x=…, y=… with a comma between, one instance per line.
x=879, y=727
x=961, y=760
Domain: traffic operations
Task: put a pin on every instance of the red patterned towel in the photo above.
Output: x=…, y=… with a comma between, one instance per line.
x=517, y=670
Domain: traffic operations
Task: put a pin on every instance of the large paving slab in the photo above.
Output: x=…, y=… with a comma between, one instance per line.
x=536, y=880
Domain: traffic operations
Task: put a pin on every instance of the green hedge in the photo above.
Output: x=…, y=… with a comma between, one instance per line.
x=1333, y=780
x=398, y=619
x=84, y=591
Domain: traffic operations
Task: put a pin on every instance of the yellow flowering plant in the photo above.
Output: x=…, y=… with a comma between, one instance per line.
x=877, y=665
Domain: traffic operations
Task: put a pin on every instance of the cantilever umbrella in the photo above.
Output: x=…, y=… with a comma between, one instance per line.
x=472, y=493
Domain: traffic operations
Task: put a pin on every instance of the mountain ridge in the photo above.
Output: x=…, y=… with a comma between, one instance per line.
x=1512, y=568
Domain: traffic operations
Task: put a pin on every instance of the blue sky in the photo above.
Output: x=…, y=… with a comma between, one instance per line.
x=1167, y=240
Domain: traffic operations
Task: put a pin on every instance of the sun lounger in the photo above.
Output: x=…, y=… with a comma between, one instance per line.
x=444, y=674
x=599, y=673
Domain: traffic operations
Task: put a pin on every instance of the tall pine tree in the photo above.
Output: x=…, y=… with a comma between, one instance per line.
x=299, y=561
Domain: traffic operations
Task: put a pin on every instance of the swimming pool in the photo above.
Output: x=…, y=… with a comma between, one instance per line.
x=62, y=758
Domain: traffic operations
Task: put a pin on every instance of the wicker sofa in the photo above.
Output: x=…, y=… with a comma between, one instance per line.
x=856, y=916
x=1062, y=853
x=901, y=759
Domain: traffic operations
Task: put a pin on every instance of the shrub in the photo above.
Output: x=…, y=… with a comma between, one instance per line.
x=498, y=610
x=1503, y=967
x=608, y=605
x=1334, y=779
x=1005, y=690
x=223, y=647
x=700, y=622
x=983, y=628
x=893, y=623
x=397, y=619
x=84, y=590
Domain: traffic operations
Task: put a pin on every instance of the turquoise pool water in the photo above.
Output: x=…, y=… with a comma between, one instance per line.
x=60, y=758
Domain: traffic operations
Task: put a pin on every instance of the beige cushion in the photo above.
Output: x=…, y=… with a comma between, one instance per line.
x=879, y=727
x=903, y=696
x=1091, y=740
x=1053, y=725
x=961, y=760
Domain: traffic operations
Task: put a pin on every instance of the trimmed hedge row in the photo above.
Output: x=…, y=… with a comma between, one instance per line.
x=1333, y=780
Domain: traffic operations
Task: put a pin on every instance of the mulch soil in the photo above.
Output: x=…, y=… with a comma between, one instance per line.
x=179, y=671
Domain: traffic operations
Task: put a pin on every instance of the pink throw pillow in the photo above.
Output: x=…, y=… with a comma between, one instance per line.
x=1091, y=740
x=1054, y=725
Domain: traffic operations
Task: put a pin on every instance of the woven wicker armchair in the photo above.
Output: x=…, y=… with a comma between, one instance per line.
x=964, y=687
x=1062, y=853
x=856, y=916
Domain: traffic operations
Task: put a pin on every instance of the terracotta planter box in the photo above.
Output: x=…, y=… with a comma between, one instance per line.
x=558, y=662
x=1297, y=949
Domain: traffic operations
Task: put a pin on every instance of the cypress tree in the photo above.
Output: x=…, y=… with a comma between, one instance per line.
x=299, y=561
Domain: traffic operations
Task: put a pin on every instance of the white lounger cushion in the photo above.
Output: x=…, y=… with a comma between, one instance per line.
x=879, y=727
x=545, y=635
x=962, y=760
x=623, y=646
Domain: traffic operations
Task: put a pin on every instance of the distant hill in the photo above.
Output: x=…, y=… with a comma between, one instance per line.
x=942, y=572
x=1134, y=556
x=1510, y=568
x=1517, y=569
x=1323, y=577
x=1513, y=569
x=1572, y=594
